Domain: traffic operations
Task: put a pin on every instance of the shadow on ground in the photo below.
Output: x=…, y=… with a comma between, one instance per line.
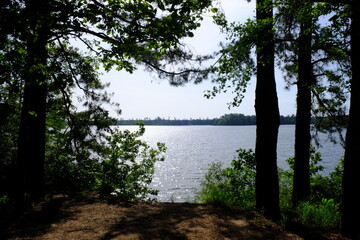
x=84, y=220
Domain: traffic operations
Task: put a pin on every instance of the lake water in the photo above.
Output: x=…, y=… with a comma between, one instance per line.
x=192, y=148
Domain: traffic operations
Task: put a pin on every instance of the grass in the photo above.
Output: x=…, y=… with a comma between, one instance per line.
x=324, y=214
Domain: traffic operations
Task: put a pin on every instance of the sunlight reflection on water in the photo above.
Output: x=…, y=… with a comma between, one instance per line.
x=192, y=148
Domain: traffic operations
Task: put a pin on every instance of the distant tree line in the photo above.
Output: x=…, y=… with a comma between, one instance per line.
x=241, y=119
x=227, y=119
x=163, y=121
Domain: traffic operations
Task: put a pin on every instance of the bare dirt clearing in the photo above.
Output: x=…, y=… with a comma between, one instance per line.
x=98, y=220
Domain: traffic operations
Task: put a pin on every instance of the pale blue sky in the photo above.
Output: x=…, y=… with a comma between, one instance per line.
x=141, y=95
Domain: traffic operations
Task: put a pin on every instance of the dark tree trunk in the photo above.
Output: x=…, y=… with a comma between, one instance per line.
x=350, y=222
x=301, y=185
x=31, y=142
x=267, y=118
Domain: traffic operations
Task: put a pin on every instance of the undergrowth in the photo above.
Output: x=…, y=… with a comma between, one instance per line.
x=235, y=186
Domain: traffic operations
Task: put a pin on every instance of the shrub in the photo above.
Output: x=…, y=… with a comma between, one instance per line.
x=328, y=187
x=215, y=187
x=128, y=166
x=322, y=208
x=324, y=214
x=234, y=185
x=116, y=163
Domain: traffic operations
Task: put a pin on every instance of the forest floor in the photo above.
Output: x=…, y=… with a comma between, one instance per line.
x=93, y=219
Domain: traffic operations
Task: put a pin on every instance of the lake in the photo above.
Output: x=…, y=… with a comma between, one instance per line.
x=191, y=149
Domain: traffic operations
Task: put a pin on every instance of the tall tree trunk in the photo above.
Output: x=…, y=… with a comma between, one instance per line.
x=31, y=142
x=267, y=117
x=301, y=184
x=350, y=222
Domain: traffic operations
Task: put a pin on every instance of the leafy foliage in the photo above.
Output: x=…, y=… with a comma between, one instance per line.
x=233, y=185
x=328, y=187
x=89, y=155
x=235, y=65
x=128, y=166
x=330, y=50
x=324, y=214
x=327, y=24
x=322, y=209
x=111, y=34
x=215, y=186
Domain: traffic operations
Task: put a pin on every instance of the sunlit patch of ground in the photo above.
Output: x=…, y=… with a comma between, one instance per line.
x=97, y=220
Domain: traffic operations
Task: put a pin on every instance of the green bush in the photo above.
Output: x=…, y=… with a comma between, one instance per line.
x=128, y=166
x=215, y=187
x=322, y=208
x=234, y=185
x=115, y=163
x=324, y=214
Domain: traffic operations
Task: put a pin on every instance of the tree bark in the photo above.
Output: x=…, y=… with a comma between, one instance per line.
x=31, y=142
x=350, y=222
x=267, y=117
x=301, y=184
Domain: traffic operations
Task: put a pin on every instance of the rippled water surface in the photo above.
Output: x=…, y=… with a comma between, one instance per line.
x=192, y=148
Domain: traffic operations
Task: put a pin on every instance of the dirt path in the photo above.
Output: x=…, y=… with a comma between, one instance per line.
x=96, y=220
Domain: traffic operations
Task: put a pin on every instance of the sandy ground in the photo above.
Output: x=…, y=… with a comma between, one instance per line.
x=98, y=220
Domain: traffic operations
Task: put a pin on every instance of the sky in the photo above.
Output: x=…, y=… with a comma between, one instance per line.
x=141, y=95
